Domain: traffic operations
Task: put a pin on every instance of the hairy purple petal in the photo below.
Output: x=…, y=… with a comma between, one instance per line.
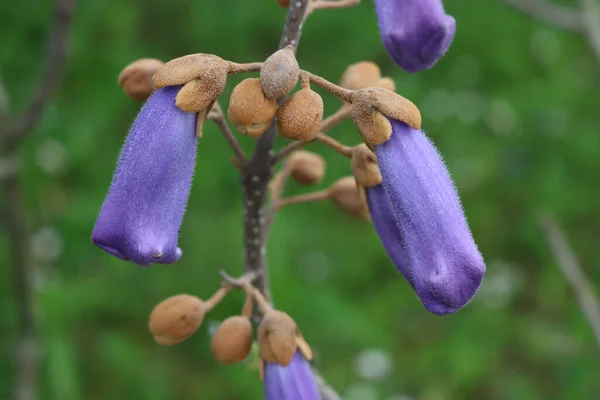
x=294, y=382
x=141, y=215
x=417, y=214
x=416, y=33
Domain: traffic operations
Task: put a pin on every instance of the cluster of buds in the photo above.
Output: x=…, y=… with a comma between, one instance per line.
x=177, y=318
x=253, y=106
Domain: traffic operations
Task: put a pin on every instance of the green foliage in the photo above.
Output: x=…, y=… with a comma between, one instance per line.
x=512, y=107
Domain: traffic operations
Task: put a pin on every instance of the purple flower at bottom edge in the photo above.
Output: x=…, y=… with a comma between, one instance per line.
x=416, y=33
x=294, y=382
x=140, y=218
x=417, y=214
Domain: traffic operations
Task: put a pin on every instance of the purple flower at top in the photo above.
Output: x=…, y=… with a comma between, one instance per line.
x=416, y=33
x=417, y=214
x=141, y=215
x=294, y=382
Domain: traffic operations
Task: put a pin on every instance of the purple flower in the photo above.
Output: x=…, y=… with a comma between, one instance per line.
x=418, y=216
x=294, y=382
x=416, y=33
x=141, y=215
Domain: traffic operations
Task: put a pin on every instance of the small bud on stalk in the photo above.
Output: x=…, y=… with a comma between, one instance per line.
x=364, y=166
x=279, y=73
x=233, y=341
x=249, y=110
x=360, y=75
x=300, y=116
x=175, y=319
x=306, y=168
x=136, y=78
x=345, y=194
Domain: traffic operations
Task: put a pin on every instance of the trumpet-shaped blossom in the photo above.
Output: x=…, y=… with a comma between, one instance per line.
x=294, y=382
x=141, y=215
x=416, y=33
x=417, y=214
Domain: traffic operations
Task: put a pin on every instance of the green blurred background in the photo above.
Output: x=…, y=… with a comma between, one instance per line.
x=513, y=107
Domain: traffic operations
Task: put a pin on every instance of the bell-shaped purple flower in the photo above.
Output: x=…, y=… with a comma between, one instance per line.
x=417, y=214
x=141, y=215
x=416, y=33
x=294, y=382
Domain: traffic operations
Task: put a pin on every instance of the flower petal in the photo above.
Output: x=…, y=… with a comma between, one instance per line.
x=416, y=33
x=422, y=224
x=141, y=215
x=294, y=382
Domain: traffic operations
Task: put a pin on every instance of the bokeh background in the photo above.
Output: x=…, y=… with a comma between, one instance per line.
x=514, y=109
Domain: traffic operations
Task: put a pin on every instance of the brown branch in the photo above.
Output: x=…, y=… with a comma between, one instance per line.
x=573, y=273
x=302, y=198
x=219, y=119
x=257, y=174
x=50, y=77
x=12, y=210
x=590, y=14
x=554, y=14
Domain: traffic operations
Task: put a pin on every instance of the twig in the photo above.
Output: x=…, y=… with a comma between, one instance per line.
x=335, y=145
x=219, y=119
x=12, y=210
x=302, y=198
x=573, y=273
x=259, y=170
x=326, y=391
x=50, y=77
x=554, y=14
x=590, y=14
x=328, y=123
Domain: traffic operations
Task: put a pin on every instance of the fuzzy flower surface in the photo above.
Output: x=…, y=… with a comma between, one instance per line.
x=417, y=214
x=140, y=218
x=294, y=382
x=416, y=33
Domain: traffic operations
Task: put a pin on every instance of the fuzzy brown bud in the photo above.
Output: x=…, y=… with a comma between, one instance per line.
x=233, y=340
x=284, y=3
x=175, y=319
x=300, y=116
x=386, y=83
x=279, y=73
x=249, y=110
x=306, y=168
x=136, y=78
x=277, y=335
x=364, y=166
x=345, y=194
x=360, y=75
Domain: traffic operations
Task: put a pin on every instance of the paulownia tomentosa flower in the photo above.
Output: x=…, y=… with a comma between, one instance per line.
x=416, y=33
x=417, y=214
x=293, y=382
x=140, y=218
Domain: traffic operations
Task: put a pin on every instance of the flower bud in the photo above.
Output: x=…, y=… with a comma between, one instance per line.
x=233, y=341
x=346, y=196
x=279, y=73
x=284, y=3
x=136, y=78
x=386, y=83
x=306, y=168
x=300, y=116
x=361, y=75
x=249, y=110
x=175, y=319
x=364, y=166
x=277, y=335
